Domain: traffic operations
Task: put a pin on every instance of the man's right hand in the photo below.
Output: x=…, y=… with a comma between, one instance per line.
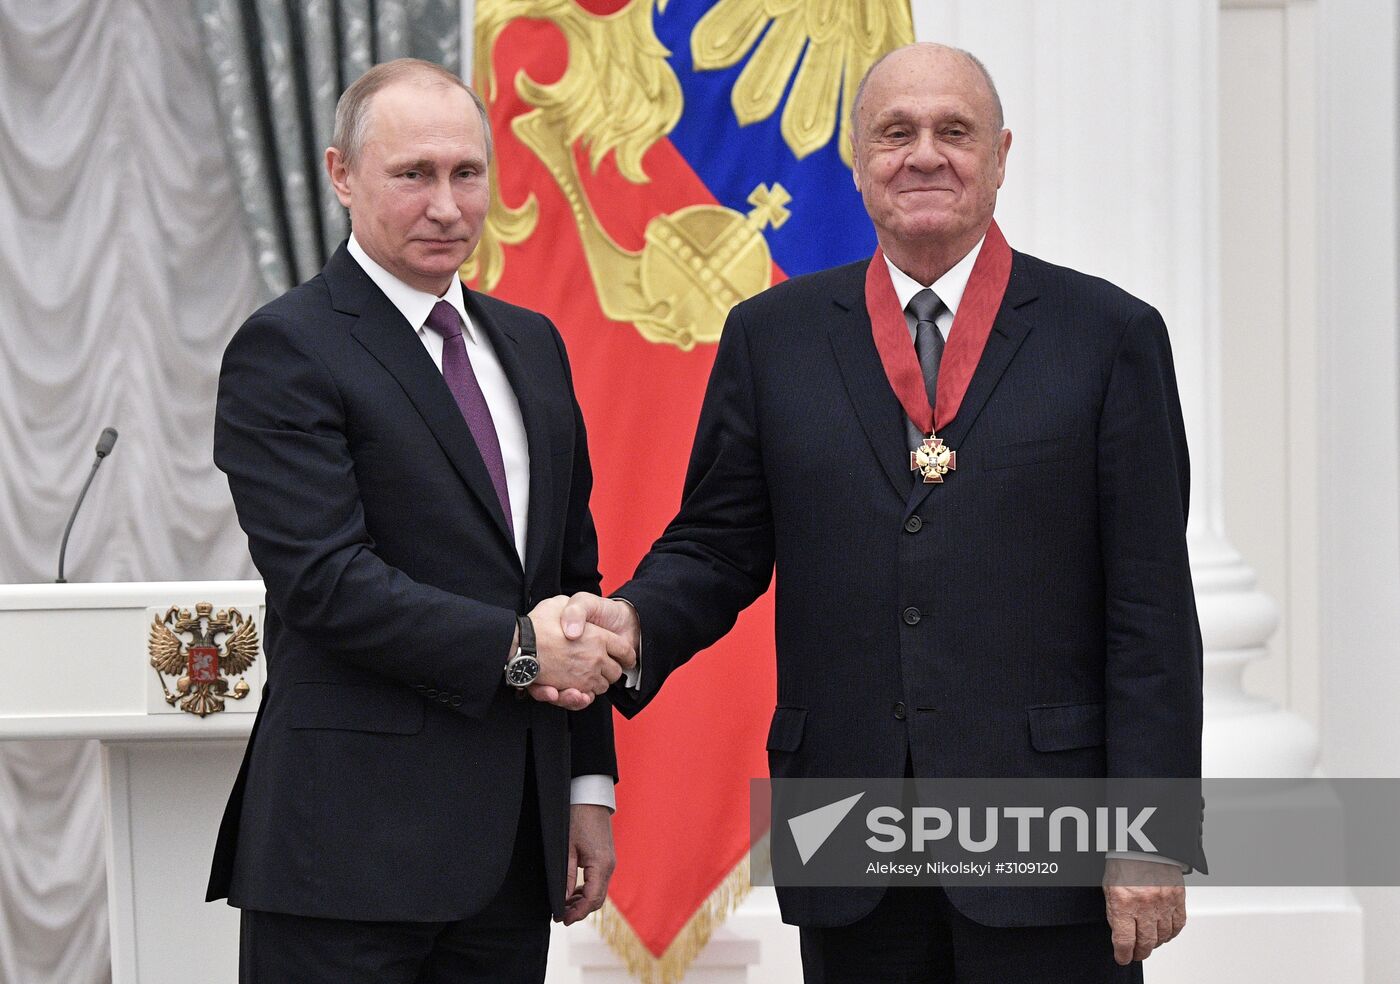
x=573, y=669
x=583, y=614
x=585, y=610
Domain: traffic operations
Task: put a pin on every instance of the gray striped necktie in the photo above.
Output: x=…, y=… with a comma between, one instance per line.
x=923, y=307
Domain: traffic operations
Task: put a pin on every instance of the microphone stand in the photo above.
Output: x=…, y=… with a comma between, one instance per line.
x=104, y=448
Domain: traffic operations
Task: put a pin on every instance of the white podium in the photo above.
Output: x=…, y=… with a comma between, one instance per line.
x=75, y=663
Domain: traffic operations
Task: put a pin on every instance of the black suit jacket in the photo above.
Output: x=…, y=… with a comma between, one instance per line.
x=385, y=773
x=1033, y=616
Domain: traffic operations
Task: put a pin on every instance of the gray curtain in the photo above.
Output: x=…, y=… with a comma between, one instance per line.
x=278, y=68
x=124, y=270
x=138, y=145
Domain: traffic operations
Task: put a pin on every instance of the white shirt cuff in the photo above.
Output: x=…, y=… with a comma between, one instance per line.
x=1140, y=856
x=632, y=678
x=595, y=790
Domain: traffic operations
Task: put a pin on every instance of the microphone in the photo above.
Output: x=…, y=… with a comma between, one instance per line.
x=104, y=447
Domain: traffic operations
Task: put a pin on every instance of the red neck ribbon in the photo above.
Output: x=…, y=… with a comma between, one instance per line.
x=966, y=339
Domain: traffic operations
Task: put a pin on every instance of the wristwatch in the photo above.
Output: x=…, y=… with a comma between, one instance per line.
x=524, y=666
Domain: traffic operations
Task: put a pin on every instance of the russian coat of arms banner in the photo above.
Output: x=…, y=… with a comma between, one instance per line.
x=656, y=162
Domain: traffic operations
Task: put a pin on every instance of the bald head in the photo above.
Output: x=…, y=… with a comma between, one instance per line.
x=929, y=55
x=929, y=155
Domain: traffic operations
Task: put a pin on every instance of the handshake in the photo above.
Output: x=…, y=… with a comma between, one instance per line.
x=584, y=644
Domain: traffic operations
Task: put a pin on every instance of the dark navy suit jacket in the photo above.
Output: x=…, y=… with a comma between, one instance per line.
x=385, y=773
x=1033, y=616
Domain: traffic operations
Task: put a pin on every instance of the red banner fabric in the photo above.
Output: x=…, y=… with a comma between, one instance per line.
x=681, y=825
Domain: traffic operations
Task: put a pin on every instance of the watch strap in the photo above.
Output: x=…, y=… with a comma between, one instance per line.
x=527, y=635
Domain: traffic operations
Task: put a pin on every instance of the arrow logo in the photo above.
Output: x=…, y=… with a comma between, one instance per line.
x=810, y=830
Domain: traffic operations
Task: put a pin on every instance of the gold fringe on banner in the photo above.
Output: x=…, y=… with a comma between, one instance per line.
x=671, y=966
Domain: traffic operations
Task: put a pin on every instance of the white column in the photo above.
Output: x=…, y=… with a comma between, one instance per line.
x=1114, y=171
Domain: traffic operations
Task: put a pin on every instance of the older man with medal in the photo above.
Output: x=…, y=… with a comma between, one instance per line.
x=1018, y=603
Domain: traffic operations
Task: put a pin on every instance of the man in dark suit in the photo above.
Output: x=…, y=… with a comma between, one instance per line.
x=1031, y=615
x=410, y=466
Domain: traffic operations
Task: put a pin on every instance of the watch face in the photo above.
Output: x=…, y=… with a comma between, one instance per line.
x=522, y=671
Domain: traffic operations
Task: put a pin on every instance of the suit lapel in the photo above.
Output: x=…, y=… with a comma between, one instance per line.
x=391, y=340
x=1008, y=332
x=532, y=411
x=877, y=408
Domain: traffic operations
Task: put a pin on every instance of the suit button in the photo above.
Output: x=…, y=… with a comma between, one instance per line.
x=456, y=700
x=912, y=616
x=899, y=710
x=430, y=693
x=913, y=524
x=443, y=698
x=422, y=688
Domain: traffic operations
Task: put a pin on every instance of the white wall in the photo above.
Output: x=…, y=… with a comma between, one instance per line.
x=1359, y=435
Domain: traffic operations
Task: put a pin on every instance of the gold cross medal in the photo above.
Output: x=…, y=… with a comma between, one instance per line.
x=933, y=459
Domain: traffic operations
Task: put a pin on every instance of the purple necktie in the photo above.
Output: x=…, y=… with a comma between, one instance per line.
x=457, y=370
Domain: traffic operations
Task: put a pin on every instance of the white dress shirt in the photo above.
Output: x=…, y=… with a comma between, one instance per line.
x=949, y=288
x=415, y=305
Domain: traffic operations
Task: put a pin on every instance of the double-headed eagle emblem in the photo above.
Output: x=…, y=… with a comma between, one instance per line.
x=201, y=663
x=933, y=459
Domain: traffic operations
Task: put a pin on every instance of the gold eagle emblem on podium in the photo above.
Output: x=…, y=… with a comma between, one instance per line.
x=201, y=664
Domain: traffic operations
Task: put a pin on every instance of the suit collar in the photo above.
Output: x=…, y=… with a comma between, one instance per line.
x=394, y=343
x=350, y=287
x=867, y=387
x=1009, y=330
x=415, y=305
x=876, y=406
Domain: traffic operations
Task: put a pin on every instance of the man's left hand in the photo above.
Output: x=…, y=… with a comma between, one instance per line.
x=1146, y=904
x=590, y=848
